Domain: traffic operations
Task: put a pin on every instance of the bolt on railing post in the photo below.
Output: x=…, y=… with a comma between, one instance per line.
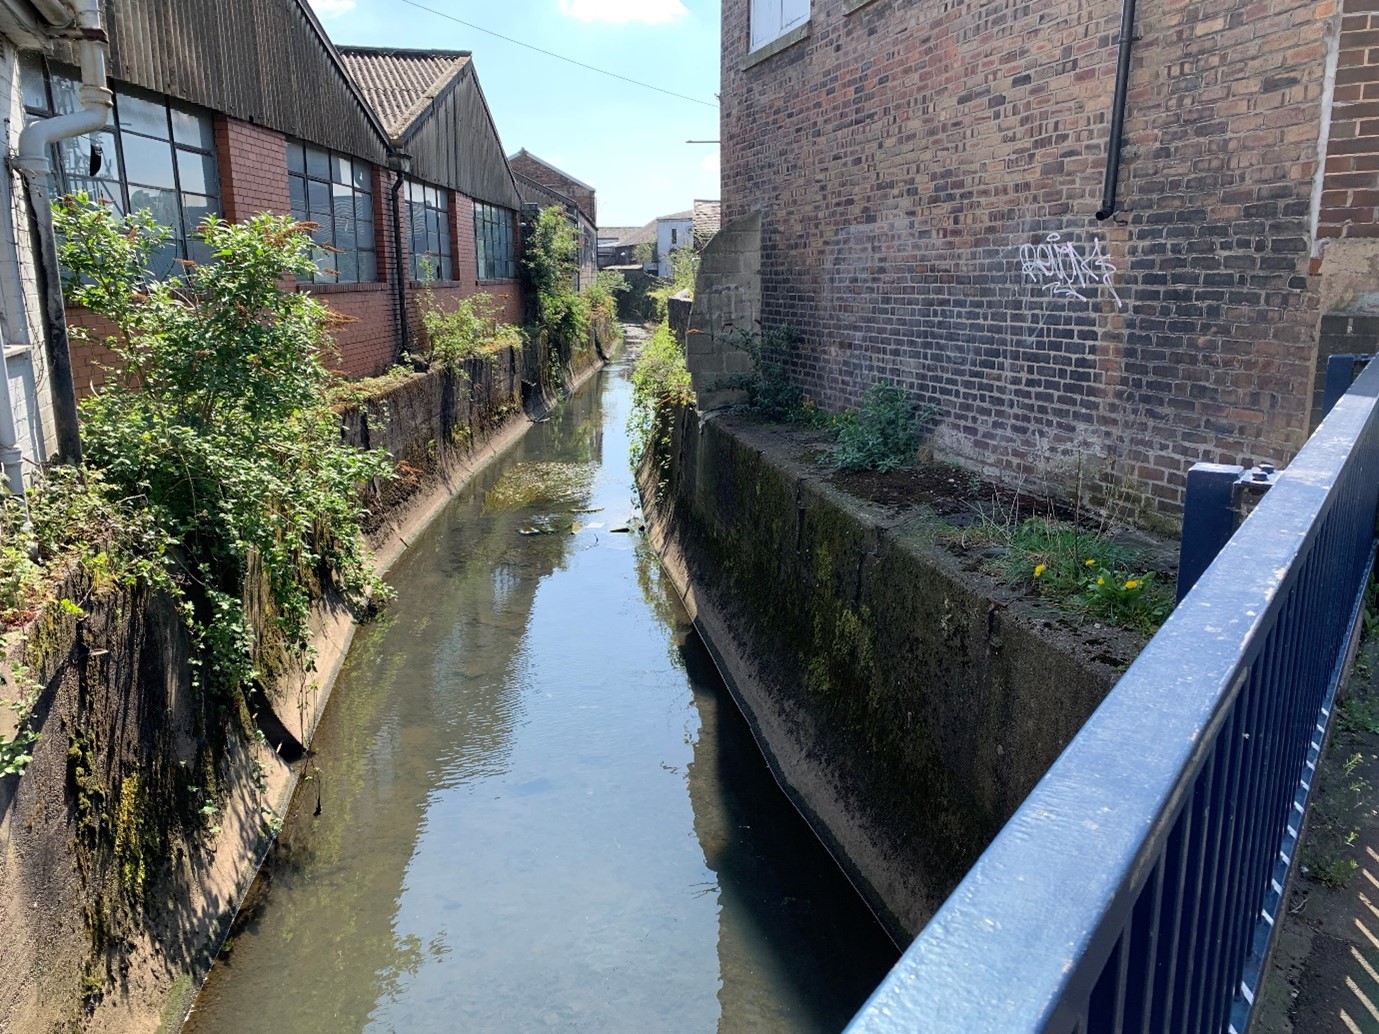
x=1209, y=519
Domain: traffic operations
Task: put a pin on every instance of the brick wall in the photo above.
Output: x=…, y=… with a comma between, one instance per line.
x=580, y=195
x=913, y=162
x=1350, y=189
x=253, y=169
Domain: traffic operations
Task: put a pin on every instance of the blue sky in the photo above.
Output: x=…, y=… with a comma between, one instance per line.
x=625, y=141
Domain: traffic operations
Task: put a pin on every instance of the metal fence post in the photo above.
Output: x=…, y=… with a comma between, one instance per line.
x=1209, y=519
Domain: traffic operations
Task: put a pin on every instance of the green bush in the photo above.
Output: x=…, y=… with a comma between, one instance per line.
x=218, y=421
x=660, y=381
x=883, y=433
x=551, y=259
x=472, y=328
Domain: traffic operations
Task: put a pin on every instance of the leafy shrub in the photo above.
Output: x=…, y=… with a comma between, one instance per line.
x=684, y=270
x=883, y=433
x=472, y=328
x=218, y=421
x=660, y=380
x=551, y=259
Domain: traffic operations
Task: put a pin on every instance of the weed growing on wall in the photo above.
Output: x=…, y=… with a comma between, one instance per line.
x=684, y=270
x=883, y=432
x=218, y=423
x=471, y=329
x=551, y=260
x=660, y=383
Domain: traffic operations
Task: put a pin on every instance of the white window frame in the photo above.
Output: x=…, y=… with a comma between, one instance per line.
x=772, y=19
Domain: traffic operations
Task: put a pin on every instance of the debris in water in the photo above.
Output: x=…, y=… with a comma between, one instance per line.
x=529, y=483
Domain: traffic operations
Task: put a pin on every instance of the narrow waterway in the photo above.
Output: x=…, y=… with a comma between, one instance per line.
x=539, y=807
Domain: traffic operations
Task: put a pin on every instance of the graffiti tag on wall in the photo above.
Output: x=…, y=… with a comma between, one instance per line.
x=1068, y=270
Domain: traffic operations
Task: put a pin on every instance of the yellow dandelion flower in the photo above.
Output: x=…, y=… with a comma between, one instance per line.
x=1039, y=569
x=1101, y=581
x=1091, y=563
x=1132, y=584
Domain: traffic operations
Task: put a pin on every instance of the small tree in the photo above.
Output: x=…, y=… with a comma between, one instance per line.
x=552, y=263
x=218, y=418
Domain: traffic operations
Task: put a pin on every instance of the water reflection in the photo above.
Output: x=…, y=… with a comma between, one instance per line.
x=538, y=808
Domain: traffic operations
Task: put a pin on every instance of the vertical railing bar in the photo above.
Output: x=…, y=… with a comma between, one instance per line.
x=1171, y=913
x=1142, y=964
x=1238, y=910
x=1192, y=905
x=1202, y=959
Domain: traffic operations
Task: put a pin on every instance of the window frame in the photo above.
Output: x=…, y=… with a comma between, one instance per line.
x=431, y=198
x=495, y=228
x=329, y=253
x=196, y=141
x=769, y=20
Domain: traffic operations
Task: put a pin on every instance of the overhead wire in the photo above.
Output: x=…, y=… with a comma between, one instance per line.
x=558, y=57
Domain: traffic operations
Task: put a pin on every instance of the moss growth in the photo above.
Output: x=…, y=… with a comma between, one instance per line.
x=136, y=839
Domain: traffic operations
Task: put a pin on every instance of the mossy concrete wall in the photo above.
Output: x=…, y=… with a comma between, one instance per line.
x=907, y=705
x=128, y=843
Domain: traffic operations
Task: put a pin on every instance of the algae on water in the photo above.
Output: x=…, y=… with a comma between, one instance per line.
x=527, y=484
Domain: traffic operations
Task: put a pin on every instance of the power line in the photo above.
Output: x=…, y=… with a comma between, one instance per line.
x=559, y=57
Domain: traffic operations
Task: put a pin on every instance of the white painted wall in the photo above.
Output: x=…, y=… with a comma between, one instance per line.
x=23, y=369
x=682, y=230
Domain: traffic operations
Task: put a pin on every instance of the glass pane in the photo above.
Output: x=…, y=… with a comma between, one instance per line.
x=318, y=200
x=195, y=208
x=31, y=82
x=325, y=266
x=162, y=204
x=76, y=159
x=163, y=264
x=296, y=157
x=363, y=210
x=340, y=171
x=317, y=163
x=445, y=240
x=368, y=266
x=445, y=271
x=141, y=116
x=296, y=192
x=192, y=129
x=102, y=191
x=197, y=172
x=199, y=252
x=344, y=234
x=347, y=265
x=363, y=178
x=65, y=97
x=415, y=193
x=147, y=162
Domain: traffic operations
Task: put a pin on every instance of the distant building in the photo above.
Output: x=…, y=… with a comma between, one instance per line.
x=543, y=185
x=612, y=252
x=708, y=216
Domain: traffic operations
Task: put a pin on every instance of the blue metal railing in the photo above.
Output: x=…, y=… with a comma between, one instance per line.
x=1135, y=889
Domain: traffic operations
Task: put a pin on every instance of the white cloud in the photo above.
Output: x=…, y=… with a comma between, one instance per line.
x=332, y=8
x=649, y=12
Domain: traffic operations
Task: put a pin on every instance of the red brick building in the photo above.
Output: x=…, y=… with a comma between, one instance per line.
x=928, y=179
x=281, y=120
x=543, y=185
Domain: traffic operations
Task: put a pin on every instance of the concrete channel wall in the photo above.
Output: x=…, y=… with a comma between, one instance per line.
x=906, y=704
x=131, y=838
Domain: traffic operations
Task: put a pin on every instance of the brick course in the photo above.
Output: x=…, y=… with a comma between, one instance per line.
x=903, y=155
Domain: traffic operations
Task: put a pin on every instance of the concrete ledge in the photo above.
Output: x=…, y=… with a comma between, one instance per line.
x=773, y=48
x=906, y=705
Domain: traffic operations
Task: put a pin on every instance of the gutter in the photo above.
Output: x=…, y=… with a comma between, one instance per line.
x=32, y=162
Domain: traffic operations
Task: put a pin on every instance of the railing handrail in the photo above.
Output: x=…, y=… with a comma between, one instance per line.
x=1023, y=940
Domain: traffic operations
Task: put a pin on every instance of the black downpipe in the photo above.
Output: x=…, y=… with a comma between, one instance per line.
x=1127, y=34
x=403, y=332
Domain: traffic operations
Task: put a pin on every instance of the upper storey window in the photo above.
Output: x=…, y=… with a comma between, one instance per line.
x=772, y=19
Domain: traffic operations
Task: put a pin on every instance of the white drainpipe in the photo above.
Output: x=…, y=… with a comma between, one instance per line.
x=32, y=162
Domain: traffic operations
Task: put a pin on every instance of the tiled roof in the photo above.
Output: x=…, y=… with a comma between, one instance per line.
x=616, y=233
x=642, y=235
x=687, y=214
x=708, y=216
x=400, y=83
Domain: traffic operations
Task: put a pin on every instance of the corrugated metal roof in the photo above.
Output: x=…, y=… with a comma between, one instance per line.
x=401, y=83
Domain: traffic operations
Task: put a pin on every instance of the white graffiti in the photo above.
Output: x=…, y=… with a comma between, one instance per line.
x=1065, y=270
